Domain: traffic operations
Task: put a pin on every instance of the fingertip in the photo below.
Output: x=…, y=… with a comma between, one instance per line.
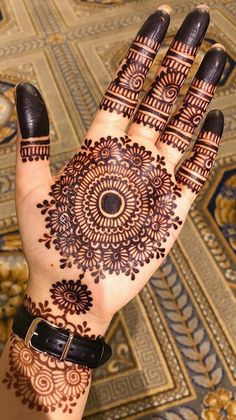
x=31, y=111
x=214, y=122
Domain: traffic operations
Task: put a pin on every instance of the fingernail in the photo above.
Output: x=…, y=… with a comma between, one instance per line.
x=194, y=27
x=203, y=7
x=168, y=9
x=156, y=25
x=218, y=46
x=32, y=112
x=212, y=66
x=214, y=122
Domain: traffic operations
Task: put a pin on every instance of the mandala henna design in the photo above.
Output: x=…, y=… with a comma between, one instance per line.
x=122, y=94
x=104, y=217
x=43, y=382
x=71, y=296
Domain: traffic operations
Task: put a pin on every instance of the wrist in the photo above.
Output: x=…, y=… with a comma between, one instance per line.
x=89, y=324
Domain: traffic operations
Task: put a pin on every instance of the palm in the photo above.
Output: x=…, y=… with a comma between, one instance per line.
x=114, y=211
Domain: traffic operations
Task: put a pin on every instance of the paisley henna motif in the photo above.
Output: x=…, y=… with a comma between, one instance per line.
x=97, y=216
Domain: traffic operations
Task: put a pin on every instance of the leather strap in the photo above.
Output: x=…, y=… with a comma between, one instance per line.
x=55, y=341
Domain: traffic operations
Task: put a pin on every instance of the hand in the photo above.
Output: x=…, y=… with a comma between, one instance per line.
x=95, y=233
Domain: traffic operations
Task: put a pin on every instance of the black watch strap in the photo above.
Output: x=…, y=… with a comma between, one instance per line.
x=44, y=336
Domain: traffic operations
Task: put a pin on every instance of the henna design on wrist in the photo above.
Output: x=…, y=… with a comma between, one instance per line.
x=71, y=296
x=115, y=213
x=43, y=382
x=122, y=94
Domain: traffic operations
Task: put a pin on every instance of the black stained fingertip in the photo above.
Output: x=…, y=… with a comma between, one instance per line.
x=212, y=66
x=156, y=25
x=31, y=111
x=194, y=27
x=214, y=122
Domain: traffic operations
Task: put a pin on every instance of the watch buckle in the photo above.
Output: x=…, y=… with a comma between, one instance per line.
x=31, y=331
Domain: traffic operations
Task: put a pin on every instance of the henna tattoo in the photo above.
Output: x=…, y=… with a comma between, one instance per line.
x=34, y=126
x=194, y=171
x=71, y=296
x=155, y=108
x=157, y=103
x=41, y=381
x=34, y=150
x=105, y=217
x=122, y=94
x=181, y=127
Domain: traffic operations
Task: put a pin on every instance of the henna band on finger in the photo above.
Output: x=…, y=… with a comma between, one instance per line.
x=122, y=94
x=194, y=171
x=154, y=110
x=182, y=125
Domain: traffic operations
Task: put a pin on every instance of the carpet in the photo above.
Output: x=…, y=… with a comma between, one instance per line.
x=178, y=360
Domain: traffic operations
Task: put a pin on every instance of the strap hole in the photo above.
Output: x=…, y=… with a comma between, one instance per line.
x=48, y=340
x=60, y=345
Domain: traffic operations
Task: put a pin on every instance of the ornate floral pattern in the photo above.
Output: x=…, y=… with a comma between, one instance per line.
x=96, y=216
x=219, y=405
x=71, y=296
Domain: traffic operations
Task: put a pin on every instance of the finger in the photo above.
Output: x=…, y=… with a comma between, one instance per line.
x=121, y=97
x=153, y=113
x=193, y=172
x=33, y=144
x=179, y=131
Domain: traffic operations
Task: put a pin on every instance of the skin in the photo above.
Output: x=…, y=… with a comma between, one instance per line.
x=164, y=143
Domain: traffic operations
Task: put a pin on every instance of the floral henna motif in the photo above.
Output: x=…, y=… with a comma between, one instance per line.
x=122, y=94
x=155, y=108
x=31, y=150
x=41, y=381
x=71, y=296
x=122, y=196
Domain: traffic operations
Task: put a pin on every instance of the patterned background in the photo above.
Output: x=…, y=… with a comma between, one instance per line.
x=178, y=361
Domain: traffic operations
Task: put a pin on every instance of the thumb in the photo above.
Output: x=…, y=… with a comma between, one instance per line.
x=33, y=143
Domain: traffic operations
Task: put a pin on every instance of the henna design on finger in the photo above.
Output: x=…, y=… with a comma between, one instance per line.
x=34, y=150
x=43, y=382
x=33, y=122
x=194, y=171
x=155, y=108
x=71, y=296
x=116, y=213
x=182, y=125
x=122, y=94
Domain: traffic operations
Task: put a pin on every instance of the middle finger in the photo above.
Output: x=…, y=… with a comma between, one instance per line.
x=153, y=112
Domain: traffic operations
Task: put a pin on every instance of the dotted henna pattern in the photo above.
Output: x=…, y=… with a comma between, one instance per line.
x=112, y=209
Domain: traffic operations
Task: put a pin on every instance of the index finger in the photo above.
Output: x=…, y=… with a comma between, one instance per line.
x=122, y=94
